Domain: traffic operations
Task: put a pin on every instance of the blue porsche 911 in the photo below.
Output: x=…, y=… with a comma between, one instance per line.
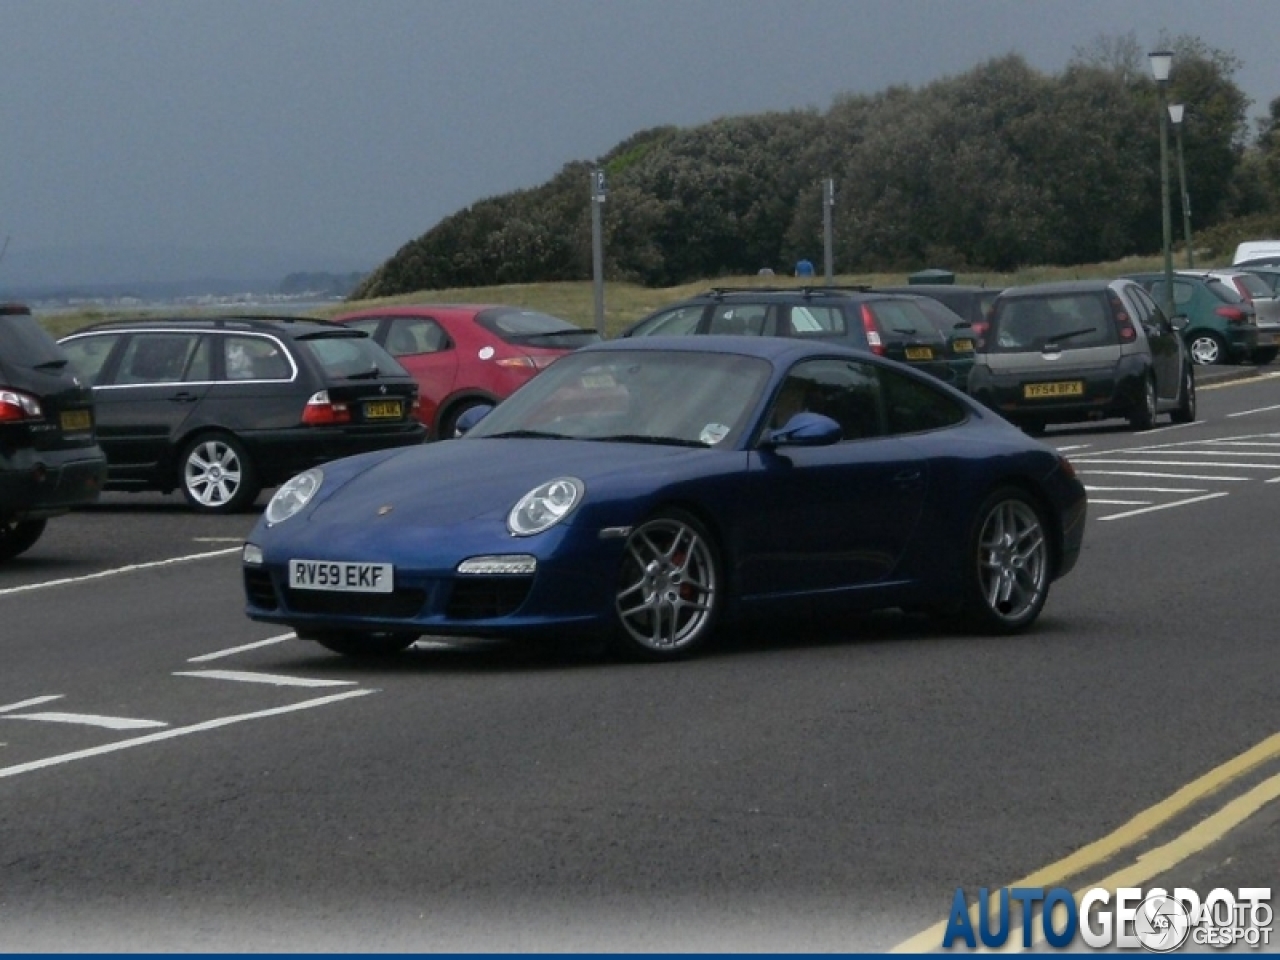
x=647, y=490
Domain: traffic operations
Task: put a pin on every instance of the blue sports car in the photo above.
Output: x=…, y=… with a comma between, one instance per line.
x=650, y=489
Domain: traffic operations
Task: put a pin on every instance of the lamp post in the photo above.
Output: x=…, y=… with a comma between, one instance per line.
x=1161, y=61
x=1175, y=117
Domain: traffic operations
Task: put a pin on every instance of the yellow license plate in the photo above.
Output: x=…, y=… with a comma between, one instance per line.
x=1064, y=388
x=919, y=353
x=75, y=421
x=383, y=410
x=962, y=346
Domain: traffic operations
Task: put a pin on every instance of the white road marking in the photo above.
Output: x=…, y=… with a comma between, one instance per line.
x=1118, y=503
x=1179, y=463
x=33, y=702
x=244, y=676
x=177, y=732
x=1163, y=506
x=231, y=651
x=1091, y=488
x=1247, y=413
x=26, y=587
x=88, y=720
x=217, y=539
x=1155, y=476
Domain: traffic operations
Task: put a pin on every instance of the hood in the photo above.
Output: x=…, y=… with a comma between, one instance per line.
x=453, y=481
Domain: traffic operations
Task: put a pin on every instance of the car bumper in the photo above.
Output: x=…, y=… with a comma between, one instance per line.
x=46, y=483
x=280, y=454
x=1095, y=393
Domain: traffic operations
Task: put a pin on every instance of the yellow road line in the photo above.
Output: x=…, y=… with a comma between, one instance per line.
x=1141, y=825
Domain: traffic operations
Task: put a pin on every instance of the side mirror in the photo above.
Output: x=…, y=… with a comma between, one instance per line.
x=1179, y=321
x=805, y=430
x=470, y=417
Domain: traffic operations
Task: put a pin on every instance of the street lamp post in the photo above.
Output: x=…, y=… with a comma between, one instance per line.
x=1161, y=61
x=1175, y=117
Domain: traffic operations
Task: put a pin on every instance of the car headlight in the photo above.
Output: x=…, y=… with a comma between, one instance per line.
x=545, y=505
x=294, y=495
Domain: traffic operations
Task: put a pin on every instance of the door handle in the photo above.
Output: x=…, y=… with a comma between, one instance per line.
x=908, y=479
x=183, y=397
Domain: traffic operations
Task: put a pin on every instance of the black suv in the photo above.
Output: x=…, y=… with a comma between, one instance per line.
x=49, y=457
x=914, y=330
x=221, y=408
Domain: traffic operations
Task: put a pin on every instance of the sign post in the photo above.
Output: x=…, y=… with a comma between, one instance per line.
x=599, y=189
x=828, y=206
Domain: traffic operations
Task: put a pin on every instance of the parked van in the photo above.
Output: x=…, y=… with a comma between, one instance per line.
x=1252, y=250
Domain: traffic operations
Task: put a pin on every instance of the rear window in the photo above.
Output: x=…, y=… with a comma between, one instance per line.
x=531, y=328
x=1224, y=291
x=24, y=343
x=1073, y=321
x=1253, y=286
x=344, y=357
x=903, y=320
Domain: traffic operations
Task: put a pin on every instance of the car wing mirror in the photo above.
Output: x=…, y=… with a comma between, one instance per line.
x=1179, y=321
x=805, y=430
x=470, y=417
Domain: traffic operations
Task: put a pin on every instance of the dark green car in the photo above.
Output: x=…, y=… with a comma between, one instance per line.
x=1221, y=324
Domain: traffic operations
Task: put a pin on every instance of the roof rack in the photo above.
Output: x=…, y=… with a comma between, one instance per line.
x=805, y=290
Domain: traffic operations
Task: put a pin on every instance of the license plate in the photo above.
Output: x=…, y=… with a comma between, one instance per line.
x=383, y=410
x=341, y=576
x=962, y=346
x=73, y=421
x=1064, y=388
x=919, y=353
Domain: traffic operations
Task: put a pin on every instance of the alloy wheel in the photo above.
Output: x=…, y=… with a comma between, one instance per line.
x=668, y=588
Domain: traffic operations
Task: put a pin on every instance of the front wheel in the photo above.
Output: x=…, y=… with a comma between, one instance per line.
x=1143, y=416
x=19, y=536
x=1008, y=564
x=1185, y=412
x=669, y=590
x=362, y=646
x=217, y=475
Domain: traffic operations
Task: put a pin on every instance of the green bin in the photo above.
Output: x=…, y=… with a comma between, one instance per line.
x=932, y=276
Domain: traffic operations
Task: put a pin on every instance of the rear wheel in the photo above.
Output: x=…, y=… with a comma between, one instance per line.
x=1143, y=416
x=1207, y=348
x=362, y=646
x=1008, y=564
x=1185, y=412
x=217, y=475
x=669, y=588
x=19, y=536
x=448, y=422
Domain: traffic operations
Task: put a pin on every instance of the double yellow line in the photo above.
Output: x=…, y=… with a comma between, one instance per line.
x=1153, y=862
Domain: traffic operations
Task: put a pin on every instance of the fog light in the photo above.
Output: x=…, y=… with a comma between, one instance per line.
x=510, y=565
x=252, y=554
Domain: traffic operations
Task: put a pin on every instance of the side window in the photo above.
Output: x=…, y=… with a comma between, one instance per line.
x=810, y=320
x=253, y=358
x=410, y=335
x=89, y=355
x=156, y=358
x=913, y=407
x=200, y=368
x=847, y=391
x=679, y=321
x=1182, y=293
x=368, y=324
x=739, y=320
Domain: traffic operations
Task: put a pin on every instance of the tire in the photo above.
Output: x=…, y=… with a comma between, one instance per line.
x=1264, y=355
x=19, y=536
x=1185, y=412
x=448, y=421
x=1143, y=415
x=216, y=474
x=1207, y=348
x=1008, y=564
x=669, y=593
x=362, y=646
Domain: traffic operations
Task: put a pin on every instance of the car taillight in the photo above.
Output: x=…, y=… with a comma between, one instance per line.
x=1124, y=323
x=15, y=406
x=321, y=411
x=527, y=363
x=1233, y=314
x=872, y=330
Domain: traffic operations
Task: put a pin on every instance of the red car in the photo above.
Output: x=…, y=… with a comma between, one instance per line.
x=463, y=355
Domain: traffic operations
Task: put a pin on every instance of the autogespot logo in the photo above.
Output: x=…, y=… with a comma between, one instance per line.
x=1155, y=920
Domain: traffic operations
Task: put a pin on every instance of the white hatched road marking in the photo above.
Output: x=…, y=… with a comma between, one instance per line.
x=1163, y=506
x=33, y=702
x=232, y=651
x=26, y=587
x=245, y=676
x=87, y=720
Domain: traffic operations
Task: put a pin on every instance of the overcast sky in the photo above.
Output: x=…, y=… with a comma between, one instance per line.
x=338, y=130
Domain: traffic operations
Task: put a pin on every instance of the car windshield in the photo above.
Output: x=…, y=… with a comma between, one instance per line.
x=1071, y=321
x=346, y=357
x=531, y=328
x=641, y=396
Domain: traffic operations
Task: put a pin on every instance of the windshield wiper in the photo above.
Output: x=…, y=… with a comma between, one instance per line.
x=527, y=434
x=371, y=374
x=649, y=438
x=1068, y=334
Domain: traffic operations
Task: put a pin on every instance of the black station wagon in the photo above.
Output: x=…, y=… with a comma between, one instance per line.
x=221, y=408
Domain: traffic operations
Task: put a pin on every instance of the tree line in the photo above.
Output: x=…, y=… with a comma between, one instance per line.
x=1000, y=167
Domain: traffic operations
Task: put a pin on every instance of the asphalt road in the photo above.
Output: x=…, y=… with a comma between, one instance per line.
x=176, y=777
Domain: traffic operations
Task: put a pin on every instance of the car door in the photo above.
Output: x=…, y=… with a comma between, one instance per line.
x=834, y=517
x=145, y=398
x=1165, y=342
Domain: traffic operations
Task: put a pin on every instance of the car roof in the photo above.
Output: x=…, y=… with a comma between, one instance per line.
x=286, y=325
x=1095, y=285
x=774, y=349
x=928, y=289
